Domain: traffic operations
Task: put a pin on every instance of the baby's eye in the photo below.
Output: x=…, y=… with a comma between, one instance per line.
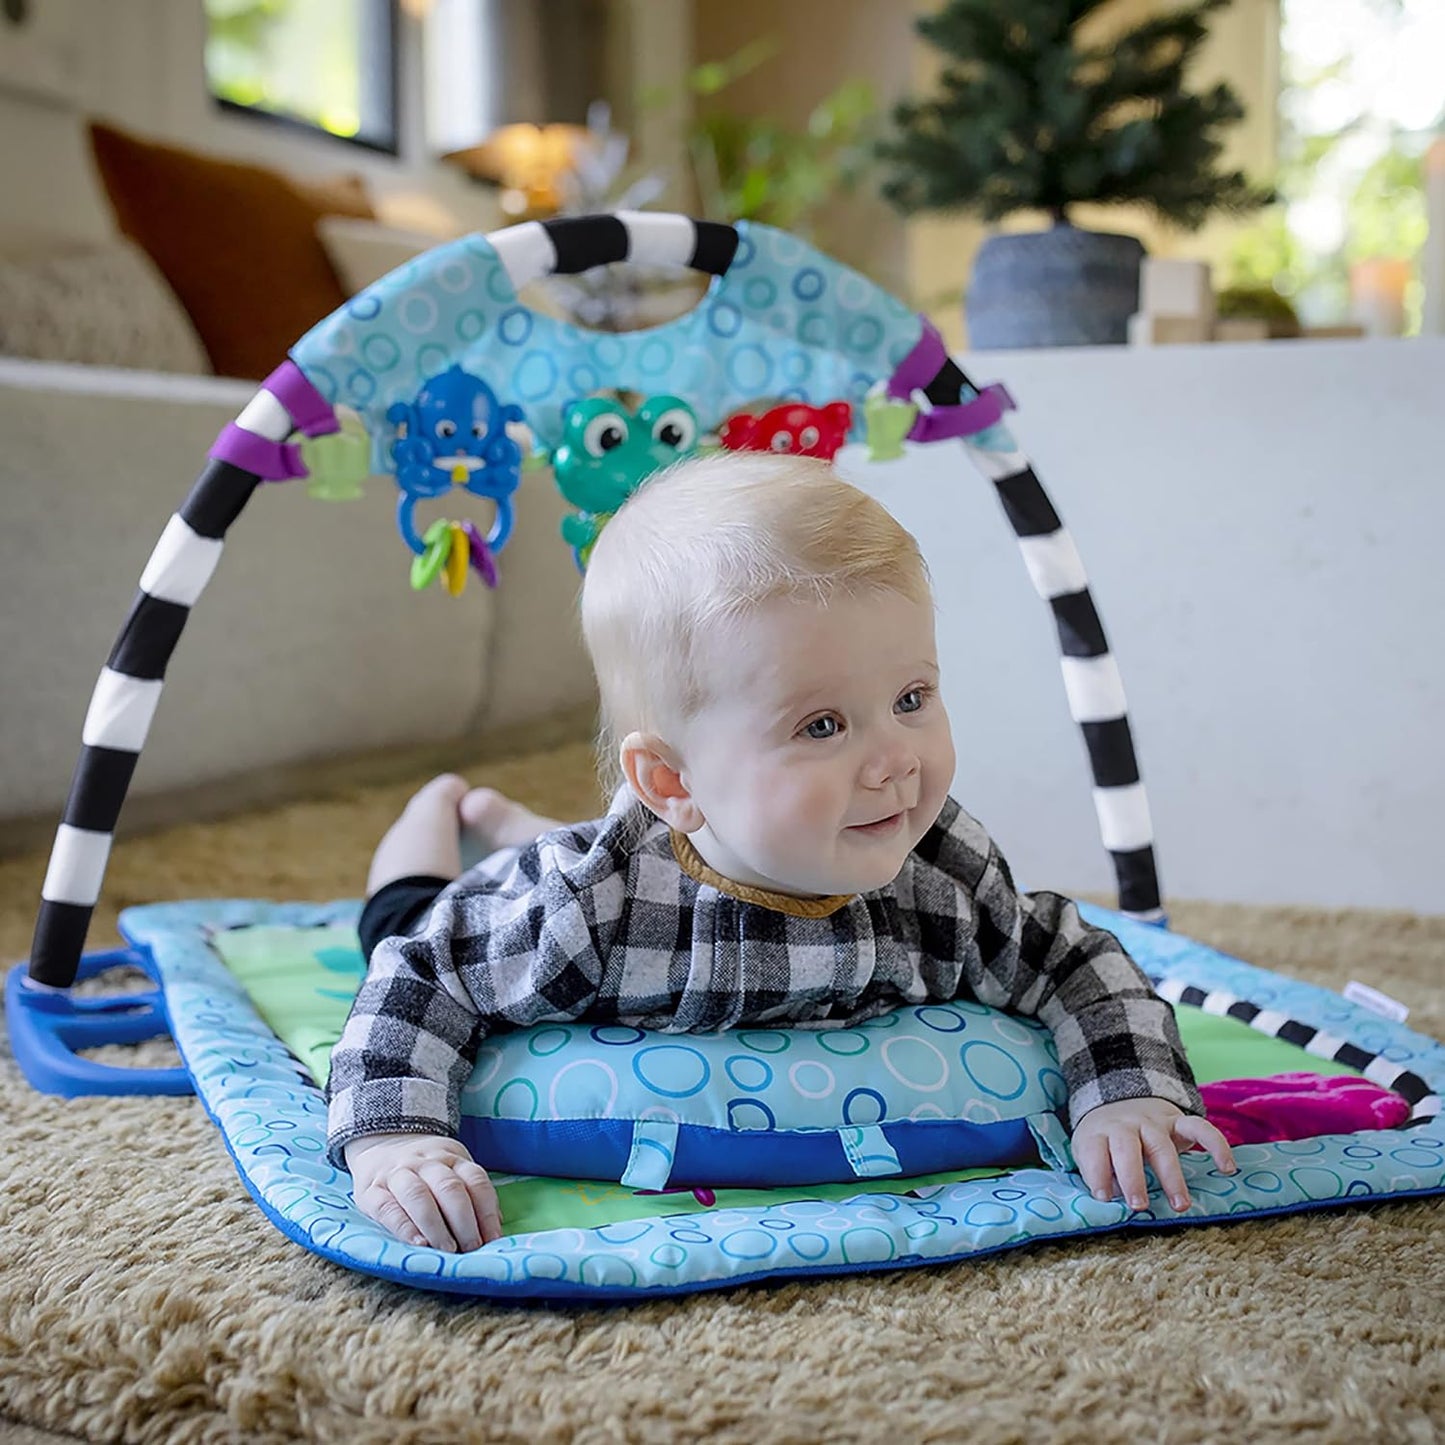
x=912, y=700
x=446, y=428
x=822, y=727
x=479, y=429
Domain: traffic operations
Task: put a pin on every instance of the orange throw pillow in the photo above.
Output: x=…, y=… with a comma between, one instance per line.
x=236, y=242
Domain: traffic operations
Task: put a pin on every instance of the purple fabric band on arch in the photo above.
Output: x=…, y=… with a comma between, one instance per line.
x=311, y=412
x=966, y=419
x=271, y=461
x=920, y=366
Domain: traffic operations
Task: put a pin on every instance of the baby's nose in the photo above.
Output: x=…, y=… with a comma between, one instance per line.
x=890, y=765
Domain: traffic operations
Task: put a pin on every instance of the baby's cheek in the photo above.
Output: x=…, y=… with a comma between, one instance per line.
x=787, y=811
x=802, y=794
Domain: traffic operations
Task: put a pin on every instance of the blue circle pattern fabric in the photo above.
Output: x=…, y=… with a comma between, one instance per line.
x=273, y=1120
x=784, y=321
x=915, y=1091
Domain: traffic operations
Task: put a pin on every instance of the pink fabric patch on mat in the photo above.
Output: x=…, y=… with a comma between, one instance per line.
x=1299, y=1106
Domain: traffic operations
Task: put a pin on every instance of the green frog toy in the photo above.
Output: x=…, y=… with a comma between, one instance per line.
x=606, y=452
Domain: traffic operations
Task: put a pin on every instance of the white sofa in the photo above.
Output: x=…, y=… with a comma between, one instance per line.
x=308, y=644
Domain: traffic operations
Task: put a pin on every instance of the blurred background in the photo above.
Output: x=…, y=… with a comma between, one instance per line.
x=465, y=114
x=1202, y=241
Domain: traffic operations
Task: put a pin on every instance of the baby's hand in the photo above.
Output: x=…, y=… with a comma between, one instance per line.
x=1113, y=1141
x=426, y=1189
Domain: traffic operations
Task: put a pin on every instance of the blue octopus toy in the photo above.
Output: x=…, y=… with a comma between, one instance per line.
x=454, y=434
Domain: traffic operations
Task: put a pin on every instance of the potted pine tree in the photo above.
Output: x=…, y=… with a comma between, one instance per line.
x=1033, y=116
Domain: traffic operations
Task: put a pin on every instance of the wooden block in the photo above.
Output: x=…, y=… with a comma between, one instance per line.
x=1175, y=288
x=1147, y=330
x=1241, y=328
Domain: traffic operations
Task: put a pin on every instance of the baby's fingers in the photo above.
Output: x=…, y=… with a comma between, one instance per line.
x=1194, y=1130
x=1164, y=1160
x=416, y=1198
x=467, y=1201
x=380, y=1204
x=1128, y=1161
x=1091, y=1154
x=484, y=1199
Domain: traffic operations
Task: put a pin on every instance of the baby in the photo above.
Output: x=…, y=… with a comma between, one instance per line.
x=782, y=850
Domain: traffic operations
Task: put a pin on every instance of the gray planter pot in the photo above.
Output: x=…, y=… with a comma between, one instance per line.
x=1062, y=287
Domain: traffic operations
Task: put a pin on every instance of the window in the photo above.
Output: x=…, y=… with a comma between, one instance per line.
x=326, y=65
x=1362, y=97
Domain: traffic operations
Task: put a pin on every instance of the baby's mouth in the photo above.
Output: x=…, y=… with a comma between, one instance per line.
x=879, y=828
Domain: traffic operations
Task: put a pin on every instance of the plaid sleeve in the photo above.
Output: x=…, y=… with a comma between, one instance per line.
x=1117, y=1039
x=517, y=951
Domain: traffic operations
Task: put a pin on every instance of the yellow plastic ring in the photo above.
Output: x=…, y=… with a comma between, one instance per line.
x=458, y=560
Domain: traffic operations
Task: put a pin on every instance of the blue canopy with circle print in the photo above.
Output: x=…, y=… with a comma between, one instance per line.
x=784, y=321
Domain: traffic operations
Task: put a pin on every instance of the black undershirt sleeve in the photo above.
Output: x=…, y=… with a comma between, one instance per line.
x=396, y=908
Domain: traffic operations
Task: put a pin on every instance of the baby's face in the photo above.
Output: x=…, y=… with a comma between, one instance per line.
x=825, y=753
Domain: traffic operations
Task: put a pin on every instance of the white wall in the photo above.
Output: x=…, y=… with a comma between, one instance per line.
x=1262, y=528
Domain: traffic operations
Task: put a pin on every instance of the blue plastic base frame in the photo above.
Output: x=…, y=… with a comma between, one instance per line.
x=49, y=1026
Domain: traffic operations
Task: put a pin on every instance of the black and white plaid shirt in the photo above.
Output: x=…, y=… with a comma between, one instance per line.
x=620, y=921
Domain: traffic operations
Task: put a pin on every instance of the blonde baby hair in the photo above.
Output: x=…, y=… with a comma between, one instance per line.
x=700, y=545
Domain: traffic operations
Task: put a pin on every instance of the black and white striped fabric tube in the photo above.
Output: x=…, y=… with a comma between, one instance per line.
x=1092, y=683
x=129, y=687
x=536, y=249
x=1425, y=1103
x=120, y=713
x=255, y=448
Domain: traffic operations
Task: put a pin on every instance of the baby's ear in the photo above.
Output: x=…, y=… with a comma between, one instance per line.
x=652, y=771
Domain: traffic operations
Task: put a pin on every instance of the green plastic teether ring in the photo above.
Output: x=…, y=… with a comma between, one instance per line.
x=426, y=568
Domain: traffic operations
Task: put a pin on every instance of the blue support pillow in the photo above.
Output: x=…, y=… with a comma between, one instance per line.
x=915, y=1091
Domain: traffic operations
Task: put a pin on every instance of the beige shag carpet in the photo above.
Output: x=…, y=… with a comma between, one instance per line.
x=143, y=1297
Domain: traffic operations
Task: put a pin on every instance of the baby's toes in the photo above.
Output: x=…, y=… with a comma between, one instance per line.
x=483, y=810
x=441, y=794
x=445, y=791
x=498, y=821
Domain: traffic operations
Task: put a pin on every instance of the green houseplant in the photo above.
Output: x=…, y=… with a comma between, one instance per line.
x=1034, y=115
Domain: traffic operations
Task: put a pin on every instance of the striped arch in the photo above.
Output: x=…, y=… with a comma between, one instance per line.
x=1092, y=683
x=257, y=447
x=252, y=449
x=129, y=687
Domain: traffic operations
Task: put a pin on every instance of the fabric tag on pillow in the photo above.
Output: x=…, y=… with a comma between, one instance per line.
x=868, y=1150
x=1053, y=1141
x=654, y=1146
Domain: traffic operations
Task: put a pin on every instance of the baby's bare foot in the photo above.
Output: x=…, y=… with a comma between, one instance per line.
x=497, y=821
x=442, y=795
x=424, y=838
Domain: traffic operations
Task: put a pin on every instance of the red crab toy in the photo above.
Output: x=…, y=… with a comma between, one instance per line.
x=802, y=430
